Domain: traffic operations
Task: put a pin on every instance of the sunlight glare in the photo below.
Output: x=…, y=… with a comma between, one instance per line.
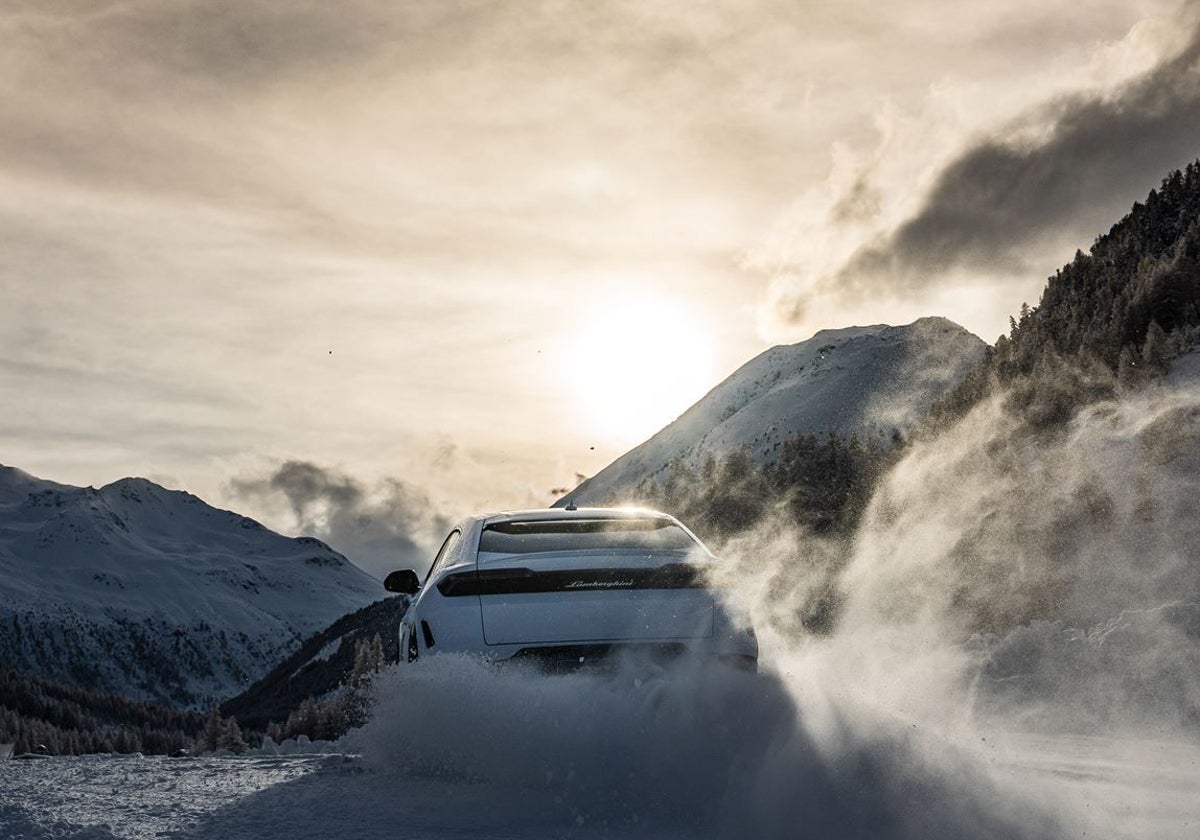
x=635, y=365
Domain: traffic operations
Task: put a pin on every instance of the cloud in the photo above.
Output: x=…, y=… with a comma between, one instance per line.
x=860, y=203
x=1053, y=178
x=381, y=527
x=219, y=103
x=432, y=190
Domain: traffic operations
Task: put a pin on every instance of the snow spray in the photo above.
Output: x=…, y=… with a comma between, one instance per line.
x=1003, y=581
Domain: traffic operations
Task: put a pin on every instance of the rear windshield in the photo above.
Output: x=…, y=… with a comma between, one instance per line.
x=584, y=534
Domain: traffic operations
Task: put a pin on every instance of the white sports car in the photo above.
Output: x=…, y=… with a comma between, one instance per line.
x=568, y=587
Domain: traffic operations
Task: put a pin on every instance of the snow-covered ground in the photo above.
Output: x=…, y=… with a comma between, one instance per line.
x=618, y=760
x=1089, y=786
x=132, y=796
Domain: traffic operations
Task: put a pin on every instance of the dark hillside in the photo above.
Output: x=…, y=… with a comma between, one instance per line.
x=70, y=720
x=1112, y=316
x=322, y=664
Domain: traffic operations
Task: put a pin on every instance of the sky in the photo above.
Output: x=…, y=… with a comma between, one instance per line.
x=321, y=261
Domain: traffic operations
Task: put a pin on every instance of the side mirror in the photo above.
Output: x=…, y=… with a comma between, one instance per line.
x=404, y=581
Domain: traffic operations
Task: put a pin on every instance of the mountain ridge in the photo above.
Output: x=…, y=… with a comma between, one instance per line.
x=151, y=592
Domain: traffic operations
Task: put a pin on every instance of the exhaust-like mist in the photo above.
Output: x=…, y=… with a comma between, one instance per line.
x=1014, y=654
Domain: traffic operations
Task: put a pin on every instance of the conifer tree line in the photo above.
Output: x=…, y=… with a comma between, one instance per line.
x=328, y=664
x=822, y=483
x=325, y=719
x=1110, y=319
x=220, y=733
x=39, y=715
x=340, y=711
x=69, y=720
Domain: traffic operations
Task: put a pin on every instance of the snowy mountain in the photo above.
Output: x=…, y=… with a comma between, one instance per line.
x=875, y=381
x=150, y=592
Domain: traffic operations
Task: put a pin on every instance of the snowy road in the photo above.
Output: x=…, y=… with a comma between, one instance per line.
x=131, y=796
x=456, y=749
x=1115, y=788
x=136, y=798
x=1097, y=787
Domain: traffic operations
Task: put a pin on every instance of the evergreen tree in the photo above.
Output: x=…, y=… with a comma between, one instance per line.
x=210, y=740
x=303, y=721
x=1156, y=349
x=1129, y=305
x=230, y=737
x=71, y=720
x=1129, y=367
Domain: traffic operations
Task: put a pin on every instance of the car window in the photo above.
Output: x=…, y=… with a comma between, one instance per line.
x=445, y=551
x=584, y=534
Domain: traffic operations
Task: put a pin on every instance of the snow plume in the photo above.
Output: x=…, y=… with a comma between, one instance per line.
x=1006, y=579
x=381, y=527
x=711, y=752
x=1005, y=584
x=1061, y=572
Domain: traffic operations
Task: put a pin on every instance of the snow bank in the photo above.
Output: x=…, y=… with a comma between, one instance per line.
x=1136, y=672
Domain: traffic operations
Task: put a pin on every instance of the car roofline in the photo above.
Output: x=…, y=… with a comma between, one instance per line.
x=564, y=515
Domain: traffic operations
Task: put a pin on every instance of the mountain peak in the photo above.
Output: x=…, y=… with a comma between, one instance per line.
x=141, y=491
x=13, y=477
x=136, y=482
x=873, y=381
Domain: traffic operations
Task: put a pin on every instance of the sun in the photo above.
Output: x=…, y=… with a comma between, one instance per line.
x=635, y=364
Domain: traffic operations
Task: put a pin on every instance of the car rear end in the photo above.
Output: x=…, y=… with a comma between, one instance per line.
x=564, y=589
